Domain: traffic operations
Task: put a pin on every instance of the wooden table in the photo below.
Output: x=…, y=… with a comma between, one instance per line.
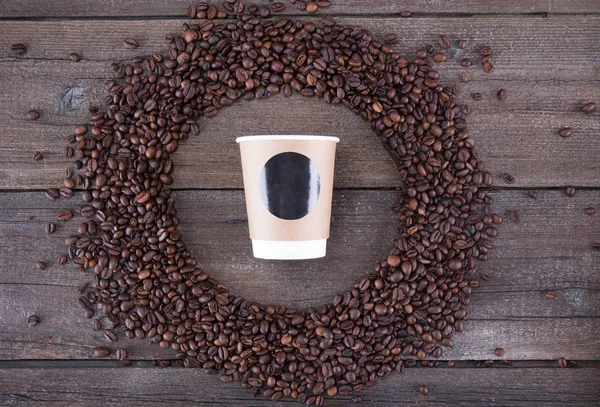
x=549, y=66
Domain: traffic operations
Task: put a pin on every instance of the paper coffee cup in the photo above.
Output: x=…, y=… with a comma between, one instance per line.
x=288, y=183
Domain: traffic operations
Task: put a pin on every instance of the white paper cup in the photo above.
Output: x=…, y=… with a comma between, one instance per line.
x=288, y=184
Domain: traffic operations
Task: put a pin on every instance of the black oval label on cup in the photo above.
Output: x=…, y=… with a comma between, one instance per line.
x=290, y=185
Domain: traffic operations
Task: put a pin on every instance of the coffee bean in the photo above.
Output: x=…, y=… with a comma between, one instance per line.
x=544, y=14
x=81, y=129
x=423, y=390
x=110, y=336
x=52, y=193
x=485, y=50
x=570, y=191
x=406, y=14
x=50, y=228
x=462, y=44
x=589, y=107
x=444, y=41
x=33, y=320
x=121, y=354
x=33, y=115
x=515, y=216
x=501, y=94
x=391, y=38
x=74, y=57
x=532, y=195
x=130, y=43
x=64, y=215
x=312, y=7
x=439, y=57
x=466, y=62
x=565, y=132
x=499, y=352
x=37, y=156
x=101, y=352
x=464, y=77
x=277, y=7
x=590, y=210
x=550, y=295
x=596, y=245
x=40, y=265
x=62, y=260
x=562, y=363
x=476, y=96
x=18, y=49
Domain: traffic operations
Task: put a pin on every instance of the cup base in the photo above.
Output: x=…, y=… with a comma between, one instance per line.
x=289, y=249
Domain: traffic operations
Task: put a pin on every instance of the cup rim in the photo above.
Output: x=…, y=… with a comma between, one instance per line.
x=286, y=137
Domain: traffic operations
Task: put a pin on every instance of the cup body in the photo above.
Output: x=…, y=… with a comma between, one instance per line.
x=288, y=184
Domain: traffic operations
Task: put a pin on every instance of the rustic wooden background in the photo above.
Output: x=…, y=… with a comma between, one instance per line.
x=549, y=66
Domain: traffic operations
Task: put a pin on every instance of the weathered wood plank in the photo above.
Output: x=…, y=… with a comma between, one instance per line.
x=516, y=136
x=177, y=8
x=548, y=250
x=456, y=387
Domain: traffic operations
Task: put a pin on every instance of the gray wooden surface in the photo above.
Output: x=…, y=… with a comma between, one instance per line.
x=549, y=68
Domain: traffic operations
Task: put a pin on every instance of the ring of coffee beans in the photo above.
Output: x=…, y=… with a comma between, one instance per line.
x=149, y=285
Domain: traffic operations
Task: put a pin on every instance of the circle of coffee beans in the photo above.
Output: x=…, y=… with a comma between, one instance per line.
x=149, y=286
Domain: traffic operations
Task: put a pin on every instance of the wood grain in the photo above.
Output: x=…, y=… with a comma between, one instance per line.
x=549, y=68
x=177, y=8
x=548, y=250
x=449, y=386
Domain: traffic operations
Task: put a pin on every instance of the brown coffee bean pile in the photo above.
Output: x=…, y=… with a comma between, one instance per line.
x=149, y=286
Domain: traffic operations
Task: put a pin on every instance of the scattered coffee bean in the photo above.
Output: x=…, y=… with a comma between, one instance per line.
x=515, y=216
x=33, y=320
x=52, y=193
x=37, y=156
x=550, y=295
x=62, y=260
x=110, y=336
x=33, y=114
x=121, y=354
x=40, y=265
x=499, y=352
x=439, y=57
x=64, y=215
x=476, y=96
x=444, y=42
x=74, y=57
x=464, y=77
x=570, y=191
x=565, y=132
x=501, y=95
x=130, y=43
x=589, y=107
x=466, y=62
x=18, y=49
x=485, y=50
x=101, y=352
x=81, y=129
x=50, y=228
x=544, y=14
x=596, y=245
x=423, y=390
x=462, y=44
x=406, y=14
x=590, y=210
x=562, y=363
x=312, y=7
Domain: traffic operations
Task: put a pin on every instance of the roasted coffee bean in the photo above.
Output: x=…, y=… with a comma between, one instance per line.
x=466, y=62
x=40, y=265
x=476, y=96
x=565, y=132
x=50, y=228
x=439, y=57
x=499, y=352
x=101, y=352
x=406, y=14
x=550, y=295
x=590, y=210
x=562, y=363
x=64, y=215
x=544, y=14
x=74, y=57
x=515, y=216
x=464, y=77
x=596, y=245
x=52, y=193
x=570, y=191
x=589, y=107
x=121, y=354
x=33, y=115
x=532, y=195
x=110, y=336
x=501, y=95
x=485, y=50
x=423, y=390
x=462, y=44
x=444, y=42
x=62, y=260
x=33, y=320
x=312, y=7
x=37, y=156
x=130, y=43
x=18, y=49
